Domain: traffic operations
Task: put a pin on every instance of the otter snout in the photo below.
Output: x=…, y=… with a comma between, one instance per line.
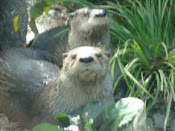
x=86, y=59
x=95, y=12
x=100, y=12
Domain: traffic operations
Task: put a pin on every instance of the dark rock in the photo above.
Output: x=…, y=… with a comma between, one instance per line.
x=8, y=10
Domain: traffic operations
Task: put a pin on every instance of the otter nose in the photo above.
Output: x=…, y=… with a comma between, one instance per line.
x=101, y=13
x=86, y=59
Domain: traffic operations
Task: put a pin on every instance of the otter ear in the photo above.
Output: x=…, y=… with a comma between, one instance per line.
x=108, y=54
x=64, y=55
x=71, y=15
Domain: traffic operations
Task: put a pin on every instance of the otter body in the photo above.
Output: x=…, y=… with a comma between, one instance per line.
x=84, y=78
x=87, y=27
x=21, y=80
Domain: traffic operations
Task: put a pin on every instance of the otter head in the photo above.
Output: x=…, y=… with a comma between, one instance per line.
x=88, y=19
x=88, y=27
x=86, y=64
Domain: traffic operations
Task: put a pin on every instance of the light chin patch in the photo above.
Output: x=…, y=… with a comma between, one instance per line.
x=87, y=76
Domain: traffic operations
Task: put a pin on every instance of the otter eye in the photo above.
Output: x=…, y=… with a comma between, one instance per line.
x=74, y=56
x=64, y=55
x=86, y=13
x=108, y=54
x=98, y=55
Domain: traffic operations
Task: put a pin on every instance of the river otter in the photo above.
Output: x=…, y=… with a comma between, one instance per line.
x=87, y=27
x=21, y=79
x=84, y=78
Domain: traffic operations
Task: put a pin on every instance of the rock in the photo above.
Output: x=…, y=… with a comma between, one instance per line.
x=172, y=125
x=158, y=120
x=56, y=18
x=8, y=10
x=150, y=124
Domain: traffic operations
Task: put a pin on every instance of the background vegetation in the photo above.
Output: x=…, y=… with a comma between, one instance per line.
x=143, y=38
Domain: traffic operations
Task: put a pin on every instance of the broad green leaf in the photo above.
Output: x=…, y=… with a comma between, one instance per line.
x=63, y=120
x=46, y=9
x=92, y=109
x=124, y=111
x=37, y=10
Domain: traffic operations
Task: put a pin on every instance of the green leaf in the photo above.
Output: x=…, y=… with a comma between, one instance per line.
x=92, y=109
x=63, y=120
x=113, y=69
x=87, y=126
x=38, y=9
x=46, y=127
x=46, y=9
x=124, y=111
x=16, y=23
x=33, y=26
x=136, y=82
x=50, y=2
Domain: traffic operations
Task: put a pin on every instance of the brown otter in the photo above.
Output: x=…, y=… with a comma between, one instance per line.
x=21, y=79
x=84, y=78
x=87, y=27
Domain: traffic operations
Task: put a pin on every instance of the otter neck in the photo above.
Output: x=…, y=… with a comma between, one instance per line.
x=88, y=38
x=72, y=95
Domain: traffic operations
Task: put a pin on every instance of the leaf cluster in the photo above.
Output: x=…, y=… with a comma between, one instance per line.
x=145, y=36
x=119, y=116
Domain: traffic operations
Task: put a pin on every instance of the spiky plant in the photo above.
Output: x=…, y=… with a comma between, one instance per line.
x=145, y=33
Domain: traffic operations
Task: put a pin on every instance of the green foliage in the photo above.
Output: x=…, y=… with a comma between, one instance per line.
x=40, y=7
x=122, y=113
x=46, y=127
x=93, y=110
x=81, y=3
x=145, y=58
x=119, y=114
x=63, y=120
x=144, y=32
x=156, y=83
x=37, y=10
x=148, y=22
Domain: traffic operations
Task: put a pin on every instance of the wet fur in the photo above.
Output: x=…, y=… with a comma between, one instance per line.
x=25, y=97
x=88, y=30
x=21, y=80
x=83, y=31
x=71, y=90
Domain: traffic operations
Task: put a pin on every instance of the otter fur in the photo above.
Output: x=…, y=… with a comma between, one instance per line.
x=84, y=78
x=21, y=80
x=87, y=27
